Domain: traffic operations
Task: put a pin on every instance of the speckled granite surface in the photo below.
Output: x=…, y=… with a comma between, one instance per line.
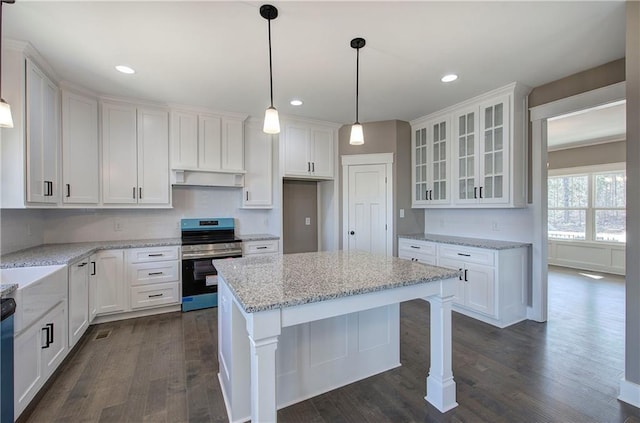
x=7, y=289
x=51, y=254
x=491, y=244
x=267, y=282
x=257, y=237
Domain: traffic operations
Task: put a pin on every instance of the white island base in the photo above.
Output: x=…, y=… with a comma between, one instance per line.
x=295, y=353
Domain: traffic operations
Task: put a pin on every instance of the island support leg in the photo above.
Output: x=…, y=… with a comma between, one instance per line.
x=264, y=329
x=441, y=388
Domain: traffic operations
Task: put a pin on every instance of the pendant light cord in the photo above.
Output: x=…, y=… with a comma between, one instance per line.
x=270, y=64
x=357, y=81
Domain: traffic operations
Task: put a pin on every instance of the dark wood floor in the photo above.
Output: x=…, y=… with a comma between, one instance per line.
x=163, y=369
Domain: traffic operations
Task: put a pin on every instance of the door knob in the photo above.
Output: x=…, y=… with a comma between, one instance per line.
x=352, y=233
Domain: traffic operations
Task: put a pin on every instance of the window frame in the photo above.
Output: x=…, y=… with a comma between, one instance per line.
x=590, y=210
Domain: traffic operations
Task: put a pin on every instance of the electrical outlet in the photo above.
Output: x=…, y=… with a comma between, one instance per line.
x=401, y=213
x=442, y=223
x=494, y=226
x=117, y=226
x=307, y=221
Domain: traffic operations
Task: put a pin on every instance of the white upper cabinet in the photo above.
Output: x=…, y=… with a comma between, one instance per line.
x=308, y=149
x=430, y=146
x=482, y=168
x=258, y=181
x=80, y=161
x=42, y=136
x=207, y=142
x=135, y=154
x=472, y=154
x=153, y=156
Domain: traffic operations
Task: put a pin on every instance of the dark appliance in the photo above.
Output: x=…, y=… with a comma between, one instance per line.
x=204, y=240
x=6, y=360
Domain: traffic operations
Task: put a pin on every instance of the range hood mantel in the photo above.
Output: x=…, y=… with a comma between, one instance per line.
x=222, y=178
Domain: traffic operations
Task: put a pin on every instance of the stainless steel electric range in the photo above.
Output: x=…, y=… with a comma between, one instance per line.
x=202, y=241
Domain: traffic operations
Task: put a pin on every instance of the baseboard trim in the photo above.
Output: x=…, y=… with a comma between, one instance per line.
x=629, y=393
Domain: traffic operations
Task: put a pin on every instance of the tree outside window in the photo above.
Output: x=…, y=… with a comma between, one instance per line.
x=588, y=207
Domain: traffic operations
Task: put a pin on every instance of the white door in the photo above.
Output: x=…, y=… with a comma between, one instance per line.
x=367, y=204
x=119, y=154
x=80, y=162
x=153, y=156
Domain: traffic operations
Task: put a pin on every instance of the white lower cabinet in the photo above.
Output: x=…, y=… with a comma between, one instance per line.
x=266, y=246
x=38, y=351
x=123, y=281
x=492, y=283
x=154, y=276
x=416, y=250
x=107, y=293
x=78, y=300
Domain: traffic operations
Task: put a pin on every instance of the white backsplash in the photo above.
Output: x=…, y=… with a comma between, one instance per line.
x=20, y=229
x=503, y=224
x=188, y=202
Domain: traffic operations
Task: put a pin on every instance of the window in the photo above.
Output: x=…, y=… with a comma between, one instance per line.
x=589, y=206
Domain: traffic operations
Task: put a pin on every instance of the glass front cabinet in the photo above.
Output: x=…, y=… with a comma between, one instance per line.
x=472, y=154
x=430, y=148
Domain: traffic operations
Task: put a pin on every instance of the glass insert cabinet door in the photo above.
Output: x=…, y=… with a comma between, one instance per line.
x=465, y=145
x=438, y=161
x=420, y=165
x=494, y=151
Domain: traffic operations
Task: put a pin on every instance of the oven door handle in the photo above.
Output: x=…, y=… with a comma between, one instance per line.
x=226, y=254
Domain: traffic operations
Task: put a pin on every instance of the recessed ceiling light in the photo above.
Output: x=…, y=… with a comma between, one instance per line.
x=296, y=102
x=125, y=69
x=449, y=78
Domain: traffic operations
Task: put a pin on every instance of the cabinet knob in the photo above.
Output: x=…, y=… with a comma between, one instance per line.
x=352, y=233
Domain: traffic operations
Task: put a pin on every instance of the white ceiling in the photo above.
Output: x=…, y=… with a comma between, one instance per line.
x=597, y=125
x=214, y=54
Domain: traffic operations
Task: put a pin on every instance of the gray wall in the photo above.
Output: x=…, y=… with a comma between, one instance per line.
x=391, y=136
x=299, y=201
x=613, y=152
x=632, y=339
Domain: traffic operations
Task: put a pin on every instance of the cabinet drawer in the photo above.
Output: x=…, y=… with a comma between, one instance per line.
x=260, y=247
x=467, y=254
x=421, y=247
x=154, y=295
x=154, y=273
x=145, y=255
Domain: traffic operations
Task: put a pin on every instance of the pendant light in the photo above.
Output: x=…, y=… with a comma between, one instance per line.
x=357, y=135
x=271, y=120
x=6, y=121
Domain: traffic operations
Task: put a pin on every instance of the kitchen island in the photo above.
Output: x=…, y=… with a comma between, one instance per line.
x=296, y=325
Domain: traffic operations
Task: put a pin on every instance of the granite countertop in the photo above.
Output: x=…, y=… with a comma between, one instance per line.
x=53, y=254
x=258, y=237
x=7, y=289
x=491, y=244
x=267, y=282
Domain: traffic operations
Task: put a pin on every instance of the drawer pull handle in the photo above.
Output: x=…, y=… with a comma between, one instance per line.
x=413, y=246
x=155, y=273
x=464, y=255
x=156, y=255
x=155, y=295
x=261, y=248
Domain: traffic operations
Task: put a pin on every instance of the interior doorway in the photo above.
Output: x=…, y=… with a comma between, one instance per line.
x=540, y=117
x=299, y=216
